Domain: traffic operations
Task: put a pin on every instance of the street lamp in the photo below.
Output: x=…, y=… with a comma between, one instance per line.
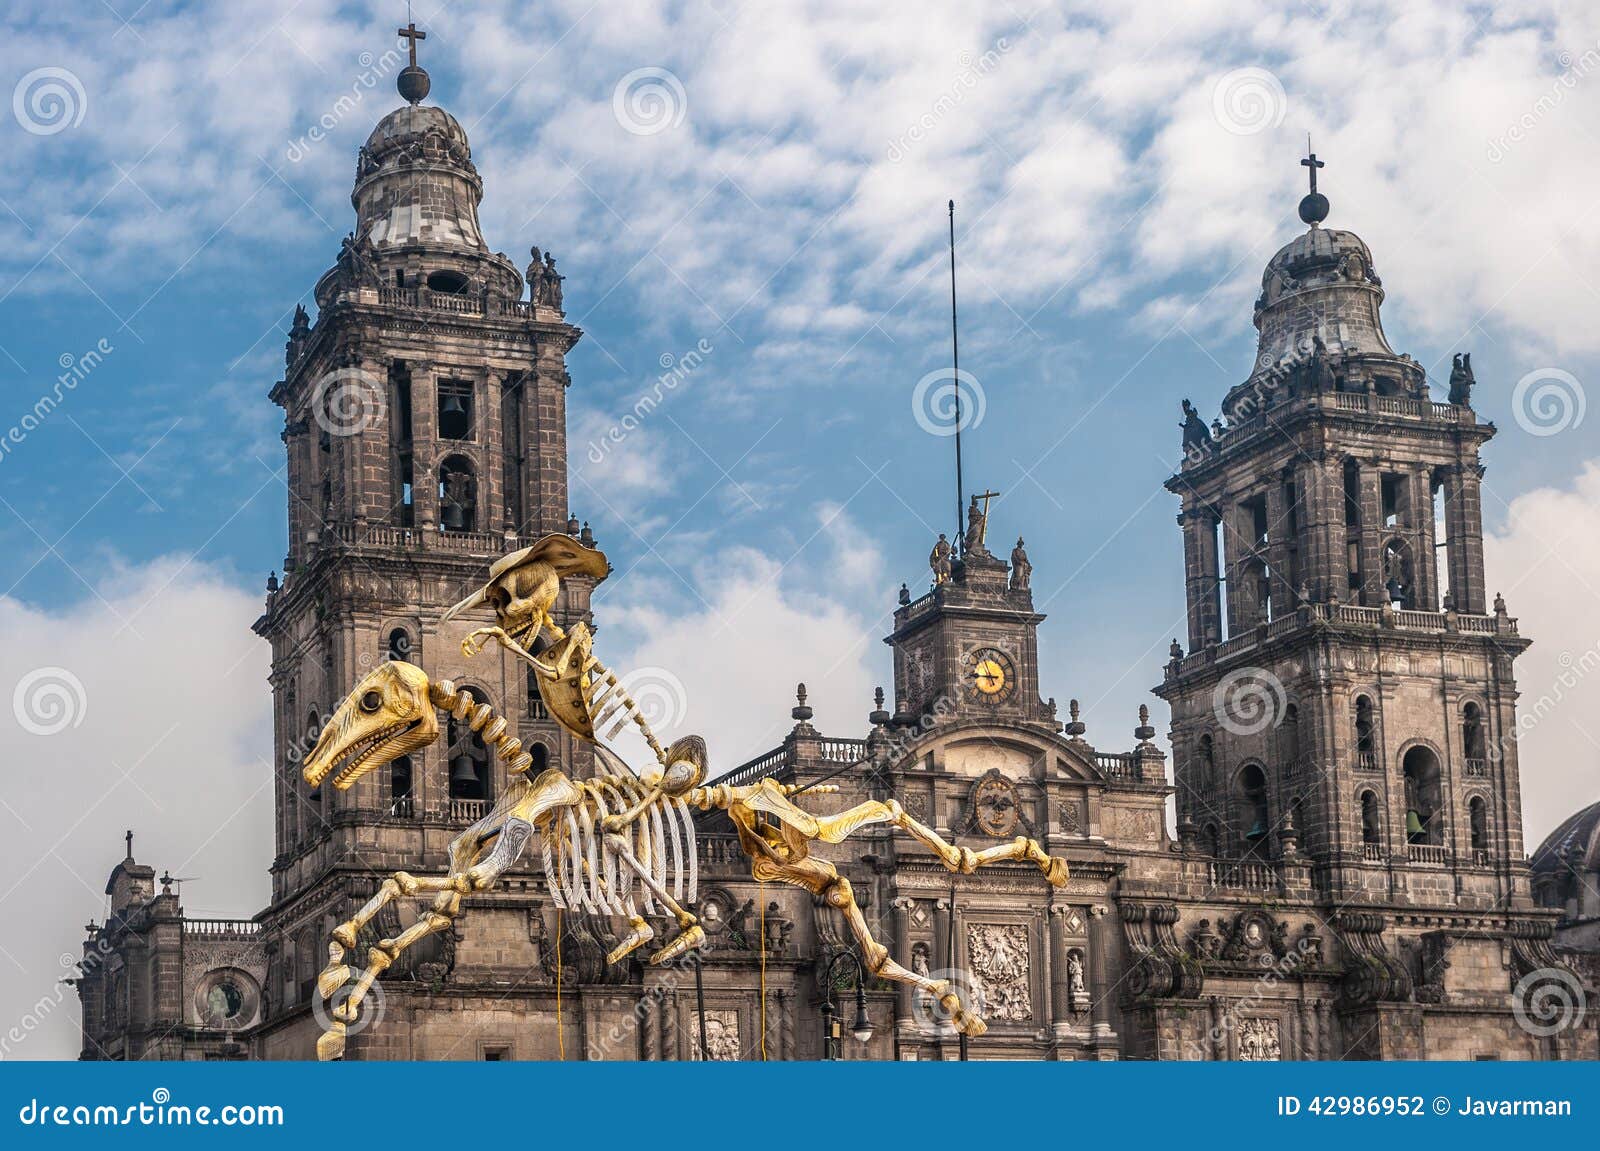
x=861, y=1027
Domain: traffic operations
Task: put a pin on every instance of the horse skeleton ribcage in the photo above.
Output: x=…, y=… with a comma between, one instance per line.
x=584, y=872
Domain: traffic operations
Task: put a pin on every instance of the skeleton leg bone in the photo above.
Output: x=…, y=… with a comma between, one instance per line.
x=821, y=878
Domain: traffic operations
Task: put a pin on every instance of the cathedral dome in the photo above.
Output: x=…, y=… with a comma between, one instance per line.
x=1322, y=283
x=413, y=122
x=1570, y=845
x=416, y=183
x=1566, y=868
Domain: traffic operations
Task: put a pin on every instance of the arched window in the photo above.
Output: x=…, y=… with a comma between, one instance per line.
x=1208, y=757
x=467, y=757
x=536, y=707
x=540, y=755
x=399, y=646
x=308, y=741
x=1478, y=819
x=1472, y=739
x=1371, y=820
x=1424, y=823
x=400, y=781
x=1251, y=806
x=1366, y=738
x=1212, y=838
x=458, y=495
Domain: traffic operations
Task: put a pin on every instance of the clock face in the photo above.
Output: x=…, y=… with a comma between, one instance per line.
x=991, y=676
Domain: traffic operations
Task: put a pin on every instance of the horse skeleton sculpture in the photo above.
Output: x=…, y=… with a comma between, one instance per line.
x=602, y=840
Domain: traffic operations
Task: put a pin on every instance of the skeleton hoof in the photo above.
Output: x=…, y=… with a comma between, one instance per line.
x=640, y=934
x=333, y=977
x=1055, y=872
x=331, y=1045
x=963, y=1020
x=345, y=936
x=685, y=943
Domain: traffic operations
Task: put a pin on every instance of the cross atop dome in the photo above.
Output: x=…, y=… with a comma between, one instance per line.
x=413, y=82
x=1314, y=206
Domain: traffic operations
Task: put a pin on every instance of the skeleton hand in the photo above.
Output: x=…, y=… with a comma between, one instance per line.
x=478, y=638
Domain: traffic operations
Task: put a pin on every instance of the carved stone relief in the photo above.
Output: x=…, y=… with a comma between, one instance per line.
x=722, y=1035
x=997, y=956
x=1258, y=1041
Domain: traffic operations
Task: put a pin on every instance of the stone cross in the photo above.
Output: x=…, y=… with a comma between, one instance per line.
x=409, y=32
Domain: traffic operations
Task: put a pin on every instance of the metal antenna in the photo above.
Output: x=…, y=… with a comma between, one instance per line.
x=955, y=379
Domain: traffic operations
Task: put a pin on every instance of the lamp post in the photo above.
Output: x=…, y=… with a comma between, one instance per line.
x=861, y=1027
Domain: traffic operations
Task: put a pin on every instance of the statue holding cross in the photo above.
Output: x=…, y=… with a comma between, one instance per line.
x=977, y=524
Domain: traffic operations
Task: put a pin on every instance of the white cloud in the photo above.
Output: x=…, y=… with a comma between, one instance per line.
x=1082, y=145
x=1546, y=561
x=759, y=627
x=166, y=729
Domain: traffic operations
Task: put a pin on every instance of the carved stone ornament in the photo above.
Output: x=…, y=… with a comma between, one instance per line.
x=722, y=1035
x=994, y=806
x=997, y=956
x=1258, y=1041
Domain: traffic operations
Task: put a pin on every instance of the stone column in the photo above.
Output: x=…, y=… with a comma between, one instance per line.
x=1370, y=487
x=425, y=446
x=649, y=1028
x=1465, y=533
x=669, y=1026
x=788, y=1005
x=900, y=908
x=1278, y=541
x=1235, y=544
x=1307, y=1047
x=1200, y=577
x=1425, y=562
x=1100, y=988
x=1060, y=987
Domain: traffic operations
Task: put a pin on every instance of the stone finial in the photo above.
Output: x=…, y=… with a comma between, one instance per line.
x=1175, y=651
x=879, y=716
x=586, y=536
x=1144, y=733
x=128, y=837
x=800, y=712
x=1077, y=727
x=572, y=523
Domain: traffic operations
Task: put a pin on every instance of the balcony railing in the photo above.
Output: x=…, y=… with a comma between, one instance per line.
x=1428, y=854
x=844, y=750
x=1341, y=614
x=468, y=810
x=402, y=807
x=1242, y=875
x=1366, y=761
x=1477, y=767
x=1117, y=765
x=220, y=926
x=1481, y=858
x=1372, y=853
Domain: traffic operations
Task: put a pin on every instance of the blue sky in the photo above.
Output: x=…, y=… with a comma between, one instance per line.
x=768, y=183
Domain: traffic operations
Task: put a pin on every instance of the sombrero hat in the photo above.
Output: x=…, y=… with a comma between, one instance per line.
x=563, y=553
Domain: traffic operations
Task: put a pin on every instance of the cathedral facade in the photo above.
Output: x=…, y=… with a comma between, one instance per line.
x=1346, y=876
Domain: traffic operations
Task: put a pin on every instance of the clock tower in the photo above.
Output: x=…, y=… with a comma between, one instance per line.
x=969, y=647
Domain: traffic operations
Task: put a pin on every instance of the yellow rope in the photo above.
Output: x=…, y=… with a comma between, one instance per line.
x=761, y=894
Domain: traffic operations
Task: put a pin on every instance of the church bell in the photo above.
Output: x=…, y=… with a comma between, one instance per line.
x=1258, y=830
x=452, y=417
x=463, y=771
x=1414, y=823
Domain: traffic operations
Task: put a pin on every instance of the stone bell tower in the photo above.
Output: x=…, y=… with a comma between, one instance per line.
x=425, y=432
x=970, y=646
x=1347, y=695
